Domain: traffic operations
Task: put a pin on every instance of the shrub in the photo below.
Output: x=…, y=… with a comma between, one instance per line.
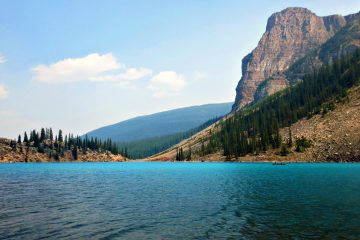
x=284, y=150
x=302, y=143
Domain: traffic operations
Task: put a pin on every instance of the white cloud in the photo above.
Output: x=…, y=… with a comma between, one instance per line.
x=3, y=92
x=167, y=83
x=75, y=69
x=93, y=67
x=2, y=59
x=128, y=75
x=97, y=67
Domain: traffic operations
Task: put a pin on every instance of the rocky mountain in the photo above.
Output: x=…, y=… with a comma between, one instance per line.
x=345, y=41
x=296, y=42
x=290, y=35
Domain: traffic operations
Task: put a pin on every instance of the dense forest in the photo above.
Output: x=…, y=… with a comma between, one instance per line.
x=256, y=128
x=147, y=147
x=55, y=146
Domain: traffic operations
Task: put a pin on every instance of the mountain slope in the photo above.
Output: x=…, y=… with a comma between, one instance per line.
x=161, y=124
x=335, y=137
x=146, y=147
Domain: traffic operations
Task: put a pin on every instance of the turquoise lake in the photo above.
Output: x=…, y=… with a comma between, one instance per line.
x=179, y=201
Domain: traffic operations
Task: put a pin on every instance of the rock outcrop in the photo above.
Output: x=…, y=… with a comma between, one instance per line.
x=290, y=35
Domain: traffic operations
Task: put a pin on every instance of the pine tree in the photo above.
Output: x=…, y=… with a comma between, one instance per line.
x=51, y=135
x=42, y=135
x=60, y=137
x=202, y=148
x=182, y=154
x=126, y=153
x=177, y=154
x=189, y=155
x=290, y=142
x=75, y=153
x=66, y=143
x=13, y=145
x=19, y=139
x=26, y=137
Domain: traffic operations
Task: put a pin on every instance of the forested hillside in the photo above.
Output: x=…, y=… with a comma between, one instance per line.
x=256, y=130
x=161, y=124
x=150, y=146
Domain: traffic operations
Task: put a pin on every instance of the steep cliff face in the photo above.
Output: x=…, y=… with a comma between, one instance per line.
x=290, y=34
x=345, y=41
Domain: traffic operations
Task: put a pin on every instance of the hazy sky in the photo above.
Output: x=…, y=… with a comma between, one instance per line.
x=80, y=65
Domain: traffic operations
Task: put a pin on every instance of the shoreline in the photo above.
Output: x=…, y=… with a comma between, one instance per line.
x=141, y=161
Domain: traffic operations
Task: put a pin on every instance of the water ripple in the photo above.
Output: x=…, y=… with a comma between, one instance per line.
x=179, y=201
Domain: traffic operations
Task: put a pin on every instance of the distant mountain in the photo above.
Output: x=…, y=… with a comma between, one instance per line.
x=161, y=124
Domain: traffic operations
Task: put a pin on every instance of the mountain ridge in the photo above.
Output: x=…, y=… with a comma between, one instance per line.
x=162, y=123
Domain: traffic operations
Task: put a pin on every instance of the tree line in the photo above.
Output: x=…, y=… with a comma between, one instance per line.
x=55, y=145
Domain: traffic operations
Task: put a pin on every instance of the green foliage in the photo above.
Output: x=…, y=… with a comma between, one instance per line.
x=256, y=127
x=60, y=138
x=26, y=139
x=74, y=152
x=290, y=142
x=327, y=107
x=13, y=145
x=284, y=151
x=302, y=143
x=44, y=142
x=189, y=153
x=180, y=154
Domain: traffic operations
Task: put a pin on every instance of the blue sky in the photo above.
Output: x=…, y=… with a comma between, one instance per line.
x=80, y=65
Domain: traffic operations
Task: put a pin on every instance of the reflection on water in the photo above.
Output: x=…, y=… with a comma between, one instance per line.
x=179, y=200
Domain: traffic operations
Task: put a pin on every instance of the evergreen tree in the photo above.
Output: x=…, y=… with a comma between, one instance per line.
x=42, y=135
x=26, y=137
x=189, y=155
x=202, y=148
x=60, y=137
x=177, y=154
x=51, y=135
x=19, y=139
x=290, y=143
x=66, y=143
x=75, y=153
x=13, y=145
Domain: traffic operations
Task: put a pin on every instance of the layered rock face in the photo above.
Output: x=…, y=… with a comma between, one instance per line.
x=290, y=34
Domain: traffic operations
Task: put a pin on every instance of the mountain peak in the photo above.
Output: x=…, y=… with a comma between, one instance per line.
x=283, y=17
x=289, y=35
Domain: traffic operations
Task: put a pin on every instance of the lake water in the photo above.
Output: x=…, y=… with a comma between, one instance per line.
x=179, y=201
